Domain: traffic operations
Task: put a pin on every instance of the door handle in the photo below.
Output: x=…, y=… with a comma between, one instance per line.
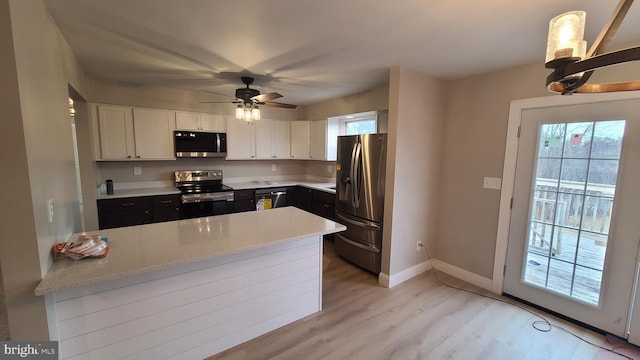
x=356, y=193
x=357, y=223
x=372, y=248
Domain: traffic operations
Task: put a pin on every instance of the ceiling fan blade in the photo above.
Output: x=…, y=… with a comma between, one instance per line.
x=266, y=97
x=213, y=92
x=218, y=102
x=279, y=105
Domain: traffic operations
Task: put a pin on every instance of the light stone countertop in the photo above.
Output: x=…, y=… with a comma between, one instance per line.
x=323, y=186
x=171, y=190
x=150, y=191
x=146, y=248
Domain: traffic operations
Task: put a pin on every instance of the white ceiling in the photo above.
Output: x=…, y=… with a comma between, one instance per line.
x=311, y=50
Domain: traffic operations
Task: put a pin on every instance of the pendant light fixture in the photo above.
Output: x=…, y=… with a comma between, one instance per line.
x=573, y=66
x=247, y=112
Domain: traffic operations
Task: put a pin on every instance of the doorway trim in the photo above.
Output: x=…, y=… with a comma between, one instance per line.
x=516, y=108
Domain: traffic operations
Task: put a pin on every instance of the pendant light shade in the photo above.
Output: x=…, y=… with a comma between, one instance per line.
x=239, y=112
x=573, y=65
x=247, y=112
x=566, y=37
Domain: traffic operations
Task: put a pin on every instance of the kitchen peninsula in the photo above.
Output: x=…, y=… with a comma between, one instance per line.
x=188, y=289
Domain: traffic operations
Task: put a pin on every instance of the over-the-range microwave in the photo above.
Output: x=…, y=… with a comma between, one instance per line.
x=192, y=144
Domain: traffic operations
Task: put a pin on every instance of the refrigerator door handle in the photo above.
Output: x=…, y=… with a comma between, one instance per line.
x=356, y=244
x=352, y=172
x=358, y=223
x=357, y=170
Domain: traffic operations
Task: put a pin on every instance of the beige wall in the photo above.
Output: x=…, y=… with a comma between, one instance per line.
x=374, y=99
x=38, y=66
x=474, y=146
x=475, y=136
x=414, y=153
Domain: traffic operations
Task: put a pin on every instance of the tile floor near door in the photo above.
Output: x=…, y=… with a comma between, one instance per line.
x=418, y=319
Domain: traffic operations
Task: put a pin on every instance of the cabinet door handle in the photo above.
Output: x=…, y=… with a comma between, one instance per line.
x=128, y=204
x=166, y=202
x=128, y=156
x=138, y=157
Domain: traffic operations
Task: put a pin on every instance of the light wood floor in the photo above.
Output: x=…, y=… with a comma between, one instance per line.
x=419, y=319
x=4, y=322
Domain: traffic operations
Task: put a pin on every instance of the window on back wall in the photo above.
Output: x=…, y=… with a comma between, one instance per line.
x=360, y=127
x=363, y=123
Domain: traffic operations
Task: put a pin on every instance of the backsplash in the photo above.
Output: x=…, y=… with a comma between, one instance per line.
x=121, y=171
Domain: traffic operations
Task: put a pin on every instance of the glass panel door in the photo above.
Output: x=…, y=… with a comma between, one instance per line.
x=575, y=222
x=574, y=188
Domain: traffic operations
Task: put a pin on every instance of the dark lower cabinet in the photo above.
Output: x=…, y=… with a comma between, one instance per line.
x=292, y=195
x=324, y=204
x=318, y=202
x=124, y=212
x=245, y=200
x=140, y=210
x=166, y=208
x=305, y=199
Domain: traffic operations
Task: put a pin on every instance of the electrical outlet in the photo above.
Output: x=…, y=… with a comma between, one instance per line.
x=329, y=168
x=418, y=245
x=273, y=167
x=137, y=170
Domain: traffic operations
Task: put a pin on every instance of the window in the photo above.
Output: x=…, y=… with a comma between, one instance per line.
x=362, y=123
x=360, y=127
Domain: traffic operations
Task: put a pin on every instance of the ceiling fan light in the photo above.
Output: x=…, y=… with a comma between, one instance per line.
x=255, y=113
x=240, y=112
x=566, y=36
x=247, y=114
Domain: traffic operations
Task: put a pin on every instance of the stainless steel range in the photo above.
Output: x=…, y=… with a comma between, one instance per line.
x=203, y=193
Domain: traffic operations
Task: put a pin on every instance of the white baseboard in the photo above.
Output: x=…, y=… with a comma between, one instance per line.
x=391, y=281
x=465, y=275
x=395, y=279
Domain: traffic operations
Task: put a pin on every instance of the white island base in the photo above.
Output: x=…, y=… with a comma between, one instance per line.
x=217, y=291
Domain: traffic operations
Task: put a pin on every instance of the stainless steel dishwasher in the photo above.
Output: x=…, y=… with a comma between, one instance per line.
x=271, y=198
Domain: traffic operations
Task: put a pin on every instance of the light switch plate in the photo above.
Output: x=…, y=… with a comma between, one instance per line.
x=137, y=170
x=492, y=183
x=50, y=209
x=273, y=167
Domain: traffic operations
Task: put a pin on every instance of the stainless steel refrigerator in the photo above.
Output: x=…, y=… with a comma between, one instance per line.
x=360, y=181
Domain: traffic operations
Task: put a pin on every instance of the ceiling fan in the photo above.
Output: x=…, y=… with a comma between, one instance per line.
x=249, y=97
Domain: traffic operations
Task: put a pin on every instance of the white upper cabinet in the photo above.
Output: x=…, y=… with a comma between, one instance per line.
x=186, y=120
x=318, y=140
x=135, y=134
x=116, y=132
x=323, y=139
x=281, y=139
x=153, y=131
x=272, y=139
x=300, y=139
x=241, y=140
x=260, y=139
